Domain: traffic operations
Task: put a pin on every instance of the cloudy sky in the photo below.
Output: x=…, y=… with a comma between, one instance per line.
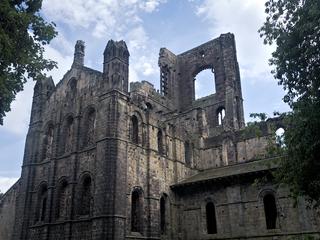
x=146, y=26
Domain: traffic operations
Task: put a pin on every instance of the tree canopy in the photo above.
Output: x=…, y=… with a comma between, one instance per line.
x=294, y=27
x=23, y=35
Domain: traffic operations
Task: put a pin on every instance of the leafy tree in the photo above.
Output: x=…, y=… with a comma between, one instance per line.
x=294, y=26
x=23, y=33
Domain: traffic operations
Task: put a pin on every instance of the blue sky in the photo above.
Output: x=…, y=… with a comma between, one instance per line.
x=146, y=26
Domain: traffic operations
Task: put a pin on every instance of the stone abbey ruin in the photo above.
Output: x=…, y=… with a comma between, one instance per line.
x=102, y=162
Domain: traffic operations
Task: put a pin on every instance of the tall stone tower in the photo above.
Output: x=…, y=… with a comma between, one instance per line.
x=79, y=50
x=116, y=65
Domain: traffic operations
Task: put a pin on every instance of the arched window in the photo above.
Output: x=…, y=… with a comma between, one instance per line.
x=85, y=196
x=136, y=211
x=89, y=128
x=61, y=208
x=221, y=113
x=42, y=203
x=67, y=134
x=280, y=137
x=149, y=106
x=162, y=214
x=134, y=134
x=211, y=218
x=270, y=210
x=47, y=143
x=160, y=142
x=187, y=153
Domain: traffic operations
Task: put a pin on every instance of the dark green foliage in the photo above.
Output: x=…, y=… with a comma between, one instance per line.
x=23, y=33
x=294, y=26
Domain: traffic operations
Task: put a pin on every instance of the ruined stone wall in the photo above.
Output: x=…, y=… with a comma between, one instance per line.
x=8, y=211
x=240, y=212
x=124, y=151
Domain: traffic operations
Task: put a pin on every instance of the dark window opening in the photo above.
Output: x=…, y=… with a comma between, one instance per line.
x=149, y=106
x=67, y=134
x=43, y=208
x=211, y=218
x=162, y=215
x=270, y=210
x=160, y=142
x=187, y=153
x=62, y=200
x=136, y=212
x=42, y=204
x=89, y=128
x=204, y=83
x=221, y=113
x=47, y=143
x=85, y=196
x=134, y=129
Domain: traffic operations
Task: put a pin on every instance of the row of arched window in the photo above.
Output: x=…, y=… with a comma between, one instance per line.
x=63, y=199
x=270, y=210
x=67, y=133
x=84, y=205
x=134, y=137
x=137, y=211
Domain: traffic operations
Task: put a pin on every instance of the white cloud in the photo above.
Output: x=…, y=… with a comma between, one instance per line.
x=243, y=18
x=6, y=183
x=150, y=5
x=64, y=62
x=112, y=19
x=143, y=60
x=102, y=17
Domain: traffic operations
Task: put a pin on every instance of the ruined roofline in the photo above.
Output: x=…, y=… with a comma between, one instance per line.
x=224, y=35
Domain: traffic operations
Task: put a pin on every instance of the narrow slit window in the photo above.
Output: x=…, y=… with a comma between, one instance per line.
x=160, y=142
x=134, y=130
x=162, y=215
x=47, y=143
x=89, y=128
x=136, y=211
x=187, y=153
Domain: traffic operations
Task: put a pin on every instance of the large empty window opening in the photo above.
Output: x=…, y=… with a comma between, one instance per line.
x=211, y=218
x=204, y=84
x=270, y=210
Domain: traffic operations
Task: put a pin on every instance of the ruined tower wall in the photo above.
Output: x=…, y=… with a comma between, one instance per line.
x=8, y=211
